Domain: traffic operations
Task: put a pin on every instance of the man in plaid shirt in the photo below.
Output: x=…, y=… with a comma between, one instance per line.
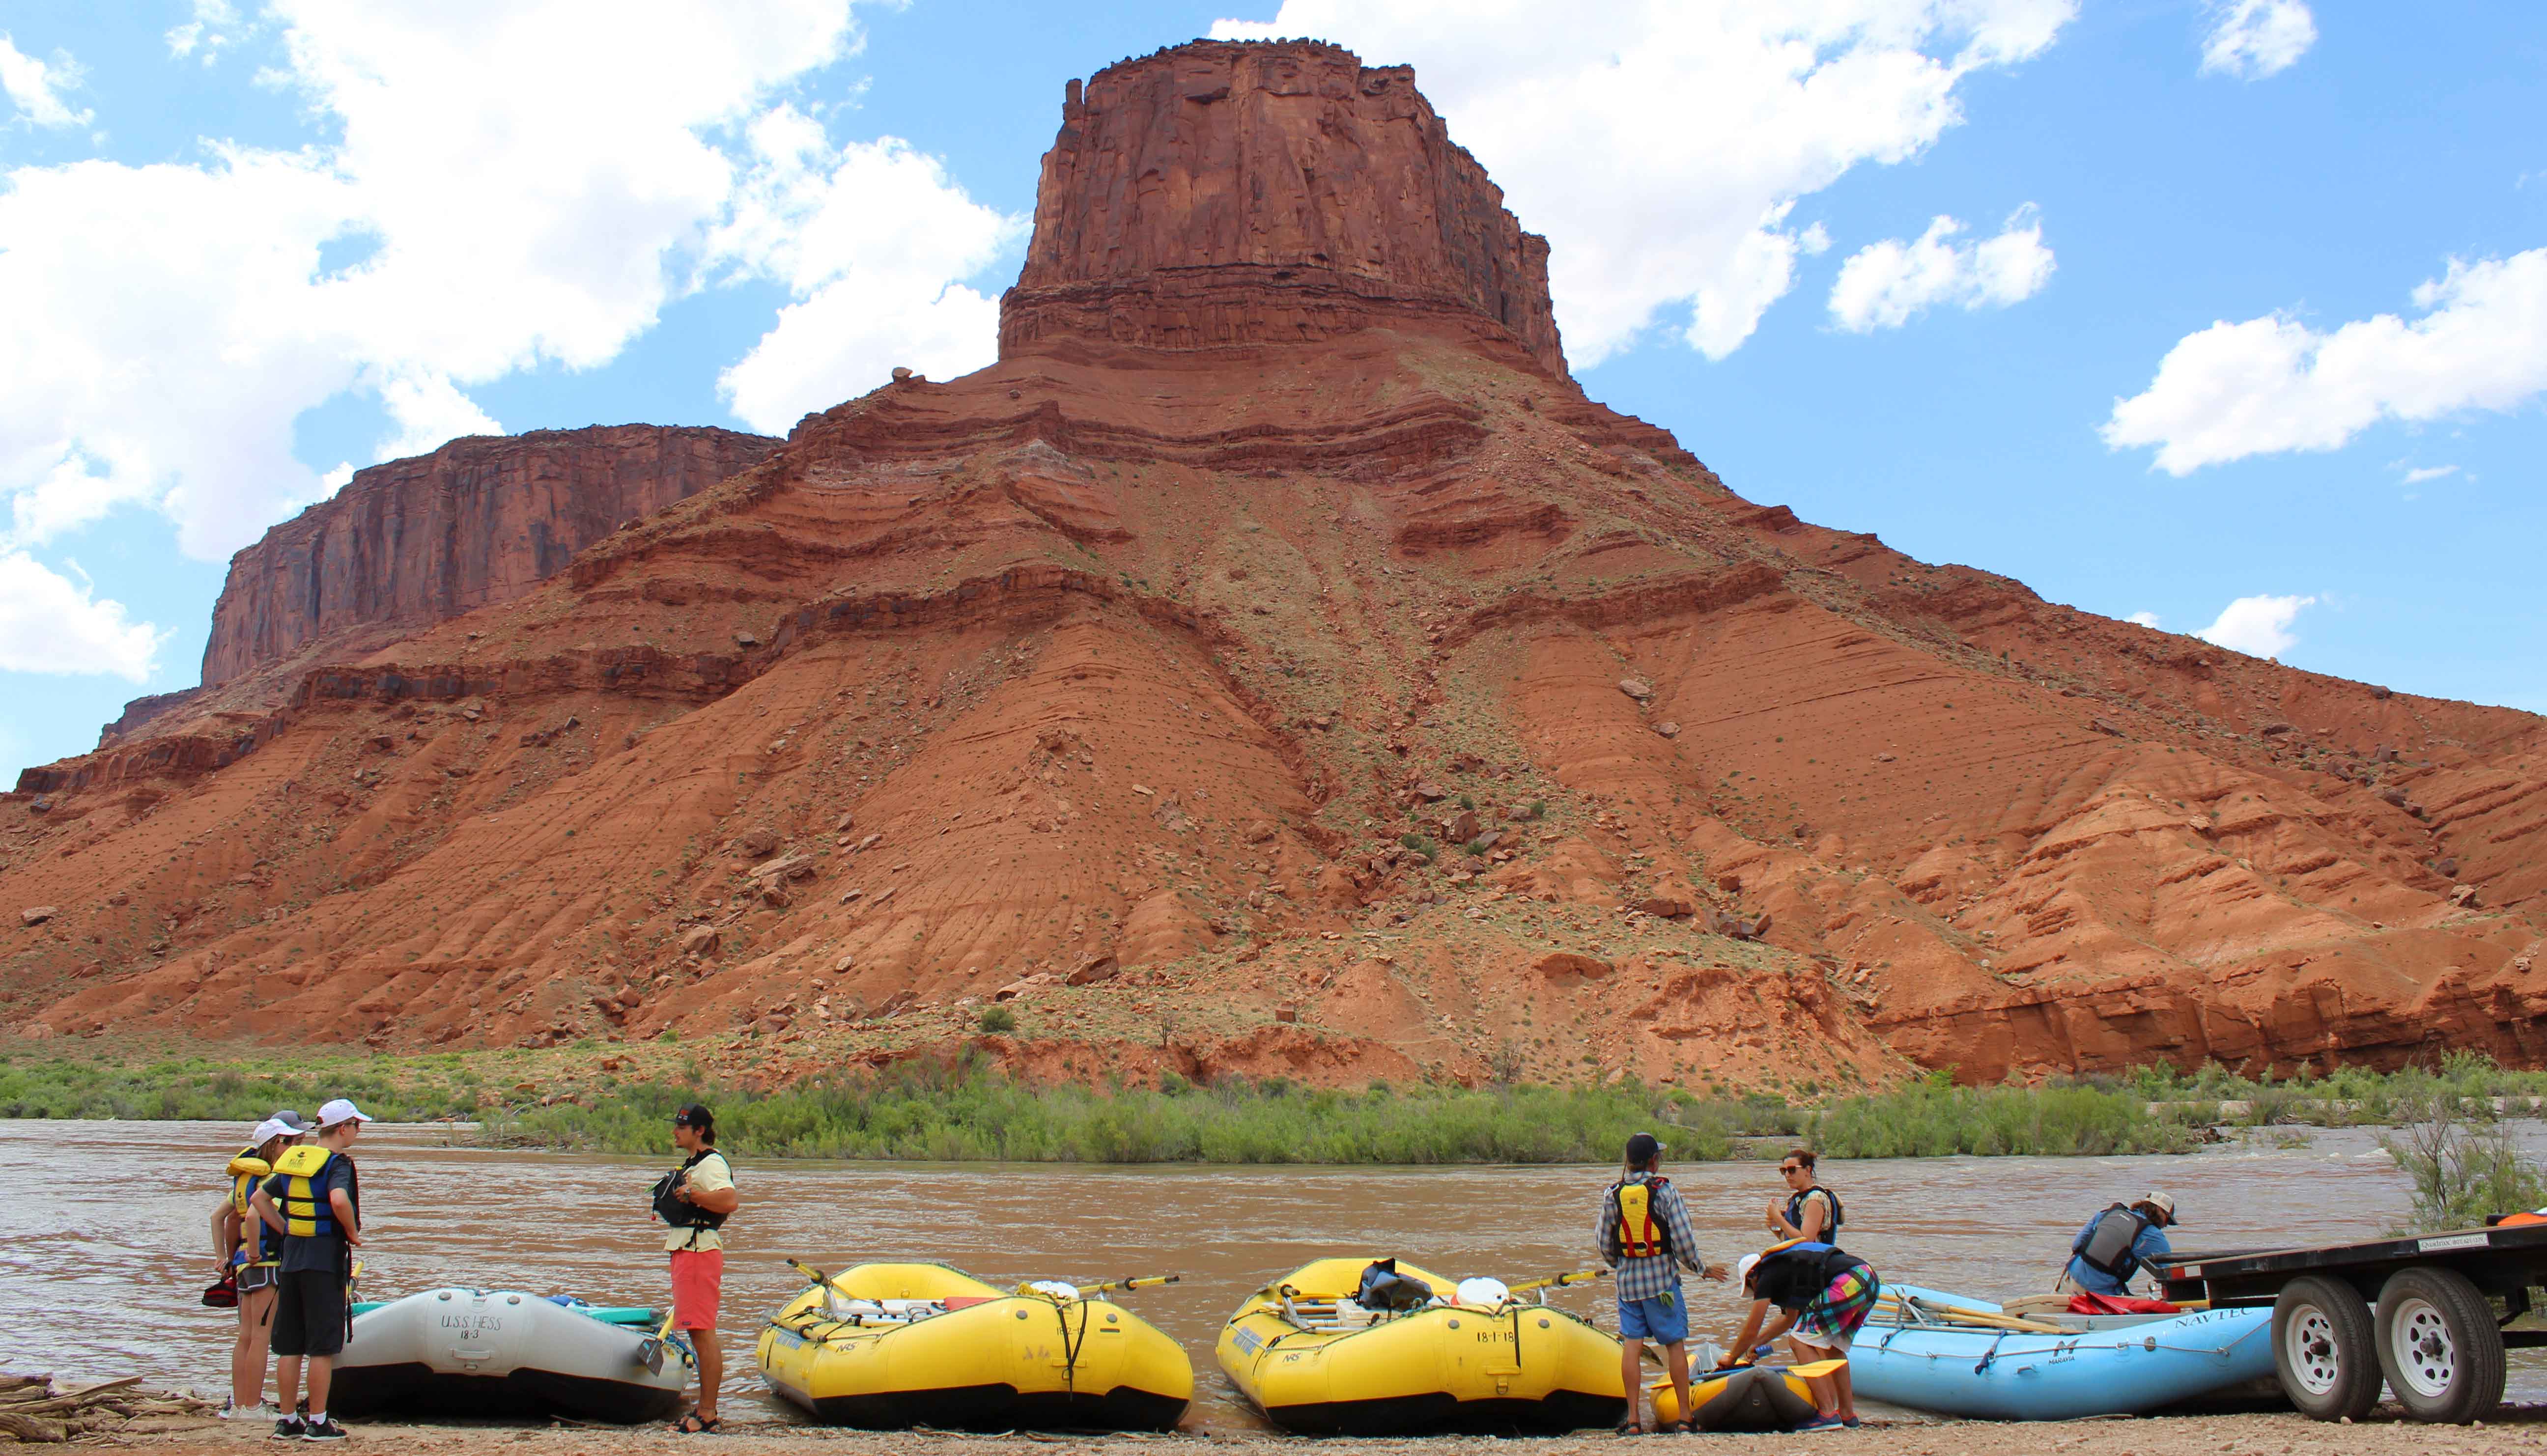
x=1645, y=1235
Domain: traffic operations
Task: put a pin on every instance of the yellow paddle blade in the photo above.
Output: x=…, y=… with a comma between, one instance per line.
x=1818, y=1368
x=1560, y=1281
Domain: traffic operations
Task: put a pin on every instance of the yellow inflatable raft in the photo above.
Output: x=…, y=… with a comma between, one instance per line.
x=1318, y=1362
x=883, y=1345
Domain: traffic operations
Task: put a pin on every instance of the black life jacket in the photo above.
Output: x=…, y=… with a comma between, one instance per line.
x=1794, y=1274
x=1383, y=1288
x=1796, y=1211
x=2105, y=1244
x=1641, y=1234
x=680, y=1213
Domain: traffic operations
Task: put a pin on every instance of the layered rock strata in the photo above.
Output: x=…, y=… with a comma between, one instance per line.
x=478, y=521
x=1334, y=702
x=1232, y=193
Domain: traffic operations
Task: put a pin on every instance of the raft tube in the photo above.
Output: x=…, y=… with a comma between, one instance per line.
x=1754, y=1397
x=883, y=1346
x=2097, y=1366
x=505, y=1353
x=1316, y=1363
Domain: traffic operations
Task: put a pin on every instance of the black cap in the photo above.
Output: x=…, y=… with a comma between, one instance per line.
x=1644, y=1148
x=694, y=1115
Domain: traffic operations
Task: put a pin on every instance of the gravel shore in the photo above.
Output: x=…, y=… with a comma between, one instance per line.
x=2518, y=1429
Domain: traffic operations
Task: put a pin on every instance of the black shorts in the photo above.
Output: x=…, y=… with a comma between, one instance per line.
x=309, y=1313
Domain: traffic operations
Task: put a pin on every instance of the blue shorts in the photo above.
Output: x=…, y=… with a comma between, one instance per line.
x=1665, y=1320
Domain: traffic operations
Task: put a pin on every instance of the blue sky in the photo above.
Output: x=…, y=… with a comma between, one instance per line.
x=2237, y=319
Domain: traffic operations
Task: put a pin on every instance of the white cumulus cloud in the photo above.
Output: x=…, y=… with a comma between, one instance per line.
x=2258, y=625
x=494, y=188
x=214, y=25
x=34, y=87
x=2257, y=38
x=1882, y=284
x=2144, y=619
x=2274, y=383
x=869, y=239
x=49, y=623
x=1661, y=144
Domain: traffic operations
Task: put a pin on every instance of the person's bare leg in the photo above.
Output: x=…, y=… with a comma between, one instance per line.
x=1847, y=1394
x=1676, y=1359
x=287, y=1383
x=247, y=1352
x=322, y=1370
x=711, y=1370
x=1825, y=1399
x=1631, y=1372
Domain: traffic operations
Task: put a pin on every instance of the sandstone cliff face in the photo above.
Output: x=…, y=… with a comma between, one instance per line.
x=478, y=521
x=1372, y=705
x=1227, y=193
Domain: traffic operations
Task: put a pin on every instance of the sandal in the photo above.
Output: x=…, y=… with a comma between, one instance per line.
x=1627, y=1428
x=692, y=1425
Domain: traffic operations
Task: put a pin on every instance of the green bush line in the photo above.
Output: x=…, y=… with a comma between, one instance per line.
x=969, y=1113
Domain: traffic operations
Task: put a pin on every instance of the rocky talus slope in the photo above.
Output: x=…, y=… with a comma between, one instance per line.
x=1275, y=663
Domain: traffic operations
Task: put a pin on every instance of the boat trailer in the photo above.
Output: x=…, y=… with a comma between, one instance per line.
x=2426, y=1316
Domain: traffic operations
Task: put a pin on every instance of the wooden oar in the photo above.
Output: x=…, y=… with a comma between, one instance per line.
x=1964, y=1315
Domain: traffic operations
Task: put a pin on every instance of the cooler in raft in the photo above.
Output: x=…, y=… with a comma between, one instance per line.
x=1318, y=1363
x=884, y=1346
x=2095, y=1365
x=501, y=1352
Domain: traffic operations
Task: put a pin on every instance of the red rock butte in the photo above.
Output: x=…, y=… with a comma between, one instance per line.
x=1273, y=663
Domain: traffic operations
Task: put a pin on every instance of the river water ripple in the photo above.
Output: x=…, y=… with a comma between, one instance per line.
x=104, y=1252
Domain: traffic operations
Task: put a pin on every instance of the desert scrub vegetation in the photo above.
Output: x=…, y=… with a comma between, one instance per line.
x=969, y=1114
x=1933, y=1118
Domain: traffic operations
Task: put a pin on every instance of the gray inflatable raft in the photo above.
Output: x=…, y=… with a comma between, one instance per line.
x=482, y=1353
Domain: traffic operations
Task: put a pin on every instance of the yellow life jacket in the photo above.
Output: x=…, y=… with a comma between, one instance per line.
x=1641, y=1235
x=247, y=1171
x=306, y=1212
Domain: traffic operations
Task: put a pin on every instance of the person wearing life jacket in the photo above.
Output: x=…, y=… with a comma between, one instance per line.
x=2117, y=1244
x=1823, y=1294
x=1811, y=1212
x=315, y=1202
x=1644, y=1234
x=696, y=1199
x=246, y=1253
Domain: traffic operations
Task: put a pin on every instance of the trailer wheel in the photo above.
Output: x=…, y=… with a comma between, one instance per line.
x=2324, y=1350
x=2439, y=1345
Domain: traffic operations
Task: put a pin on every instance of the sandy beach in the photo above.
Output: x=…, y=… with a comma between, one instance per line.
x=2518, y=1429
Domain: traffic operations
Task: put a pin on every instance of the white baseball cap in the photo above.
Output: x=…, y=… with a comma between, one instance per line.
x=271, y=1129
x=1742, y=1268
x=341, y=1110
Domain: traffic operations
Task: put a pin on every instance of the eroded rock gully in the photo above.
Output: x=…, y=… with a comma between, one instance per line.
x=1273, y=664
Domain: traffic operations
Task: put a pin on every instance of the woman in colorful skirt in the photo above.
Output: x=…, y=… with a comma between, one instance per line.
x=1823, y=1295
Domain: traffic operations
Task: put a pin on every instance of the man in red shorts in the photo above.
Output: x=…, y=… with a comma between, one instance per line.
x=697, y=1200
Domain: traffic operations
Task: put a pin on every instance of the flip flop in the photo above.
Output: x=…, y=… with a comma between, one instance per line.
x=692, y=1425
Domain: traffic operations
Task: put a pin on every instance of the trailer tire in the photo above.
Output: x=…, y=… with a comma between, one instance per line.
x=2323, y=1350
x=2439, y=1347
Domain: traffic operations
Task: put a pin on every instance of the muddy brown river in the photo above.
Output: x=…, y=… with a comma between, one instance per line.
x=106, y=1247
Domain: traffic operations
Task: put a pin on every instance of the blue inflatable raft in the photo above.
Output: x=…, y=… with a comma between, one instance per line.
x=2097, y=1366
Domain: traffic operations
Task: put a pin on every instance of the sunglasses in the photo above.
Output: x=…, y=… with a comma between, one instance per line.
x=1791, y=1168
